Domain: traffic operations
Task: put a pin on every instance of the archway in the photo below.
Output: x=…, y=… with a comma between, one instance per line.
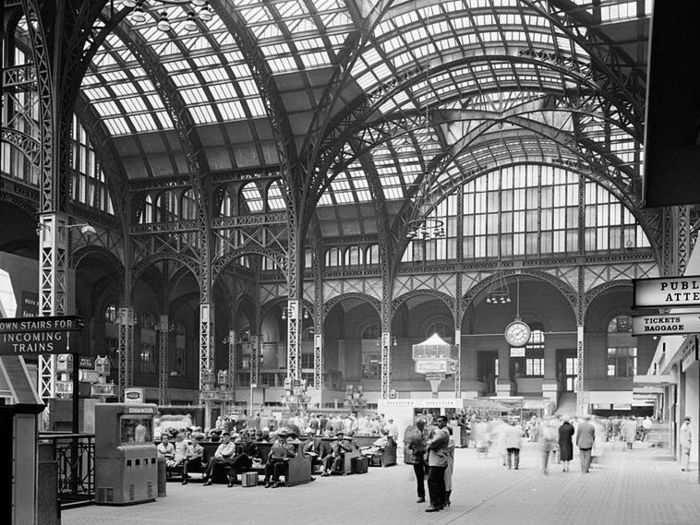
x=489, y=364
x=351, y=352
x=417, y=316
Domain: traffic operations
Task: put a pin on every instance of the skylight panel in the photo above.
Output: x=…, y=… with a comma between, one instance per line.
x=194, y=95
x=143, y=122
x=253, y=197
x=117, y=126
x=203, y=114
x=231, y=110
x=275, y=201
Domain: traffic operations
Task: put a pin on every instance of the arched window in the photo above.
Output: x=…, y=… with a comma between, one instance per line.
x=275, y=197
x=332, y=257
x=353, y=256
x=372, y=254
x=226, y=208
x=251, y=198
x=167, y=207
x=188, y=207
x=622, y=347
x=146, y=215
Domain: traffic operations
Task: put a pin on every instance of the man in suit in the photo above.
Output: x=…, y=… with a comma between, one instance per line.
x=318, y=449
x=585, y=437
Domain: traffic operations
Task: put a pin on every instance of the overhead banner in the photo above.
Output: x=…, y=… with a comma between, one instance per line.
x=667, y=292
x=672, y=324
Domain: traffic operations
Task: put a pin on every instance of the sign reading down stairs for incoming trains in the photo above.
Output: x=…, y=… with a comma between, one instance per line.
x=38, y=335
x=667, y=292
x=671, y=324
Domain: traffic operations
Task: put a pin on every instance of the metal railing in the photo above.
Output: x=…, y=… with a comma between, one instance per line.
x=75, y=458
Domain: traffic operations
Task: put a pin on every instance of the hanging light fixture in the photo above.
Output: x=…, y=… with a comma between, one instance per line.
x=498, y=292
x=426, y=229
x=163, y=22
x=196, y=10
x=138, y=15
x=191, y=23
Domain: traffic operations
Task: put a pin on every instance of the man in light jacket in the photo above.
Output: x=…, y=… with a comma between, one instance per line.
x=437, y=462
x=685, y=441
x=585, y=437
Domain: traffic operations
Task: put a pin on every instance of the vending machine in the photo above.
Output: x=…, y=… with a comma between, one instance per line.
x=126, y=471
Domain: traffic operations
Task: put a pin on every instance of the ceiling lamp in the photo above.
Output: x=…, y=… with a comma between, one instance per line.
x=163, y=22
x=498, y=292
x=425, y=229
x=196, y=9
x=191, y=24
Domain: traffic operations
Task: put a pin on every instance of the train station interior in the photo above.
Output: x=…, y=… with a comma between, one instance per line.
x=312, y=223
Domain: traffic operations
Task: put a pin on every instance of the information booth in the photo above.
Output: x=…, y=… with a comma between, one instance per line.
x=125, y=455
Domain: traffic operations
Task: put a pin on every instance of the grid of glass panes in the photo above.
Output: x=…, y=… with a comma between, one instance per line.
x=622, y=361
x=88, y=180
x=534, y=354
x=443, y=247
x=609, y=225
x=521, y=210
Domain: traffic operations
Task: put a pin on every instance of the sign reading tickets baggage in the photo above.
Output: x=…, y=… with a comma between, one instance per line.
x=38, y=335
x=671, y=324
x=667, y=292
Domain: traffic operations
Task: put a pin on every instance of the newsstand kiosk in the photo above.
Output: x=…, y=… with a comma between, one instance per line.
x=125, y=456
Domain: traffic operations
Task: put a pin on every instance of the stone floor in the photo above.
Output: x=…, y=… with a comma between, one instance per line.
x=642, y=487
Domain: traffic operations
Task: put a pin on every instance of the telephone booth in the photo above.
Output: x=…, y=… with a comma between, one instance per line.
x=125, y=455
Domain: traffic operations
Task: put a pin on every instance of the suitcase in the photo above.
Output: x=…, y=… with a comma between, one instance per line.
x=249, y=479
x=360, y=465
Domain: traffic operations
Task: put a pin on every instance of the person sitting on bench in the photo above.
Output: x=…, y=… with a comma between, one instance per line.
x=276, y=464
x=166, y=450
x=195, y=454
x=223, y=456
x=318, y=450
x=333, y=462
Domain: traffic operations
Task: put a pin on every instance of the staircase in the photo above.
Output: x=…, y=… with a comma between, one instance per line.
x=567, y=404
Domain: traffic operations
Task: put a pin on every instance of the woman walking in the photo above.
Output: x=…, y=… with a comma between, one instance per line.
x=566, y=445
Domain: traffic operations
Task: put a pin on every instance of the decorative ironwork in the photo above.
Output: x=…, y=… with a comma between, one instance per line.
x=75, y=457
x=19, y=78
x=163, y=360
x=125, y=341
x=206, y=359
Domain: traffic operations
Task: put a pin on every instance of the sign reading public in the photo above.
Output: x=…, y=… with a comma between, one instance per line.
x=671, y=324
x=667, y=291
x=38, y=335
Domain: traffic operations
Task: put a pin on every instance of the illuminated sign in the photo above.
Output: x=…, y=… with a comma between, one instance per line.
x=667, y=292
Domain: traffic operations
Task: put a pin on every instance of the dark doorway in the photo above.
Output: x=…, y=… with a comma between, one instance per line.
x=487, y=369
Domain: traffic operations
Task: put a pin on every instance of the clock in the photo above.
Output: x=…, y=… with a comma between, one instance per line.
x=517, y=333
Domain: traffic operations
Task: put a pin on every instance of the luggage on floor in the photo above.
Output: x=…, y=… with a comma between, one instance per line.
x=249, y=479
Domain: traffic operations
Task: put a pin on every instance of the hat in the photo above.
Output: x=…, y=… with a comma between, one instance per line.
x=225, y=433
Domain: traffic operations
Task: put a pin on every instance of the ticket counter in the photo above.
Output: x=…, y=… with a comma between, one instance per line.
x=125, y=455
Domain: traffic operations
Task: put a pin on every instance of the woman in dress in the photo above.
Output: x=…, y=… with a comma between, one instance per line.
x=566, y=445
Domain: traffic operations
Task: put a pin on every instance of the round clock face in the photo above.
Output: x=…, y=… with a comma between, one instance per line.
x=517, y=333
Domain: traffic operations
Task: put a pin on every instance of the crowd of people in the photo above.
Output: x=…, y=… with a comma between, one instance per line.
x=268, y=444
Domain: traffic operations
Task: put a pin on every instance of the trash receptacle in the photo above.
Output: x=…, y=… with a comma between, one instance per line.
x=162, y=475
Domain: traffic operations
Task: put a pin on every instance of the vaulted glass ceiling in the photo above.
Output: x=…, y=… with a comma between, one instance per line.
x=494, y=82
